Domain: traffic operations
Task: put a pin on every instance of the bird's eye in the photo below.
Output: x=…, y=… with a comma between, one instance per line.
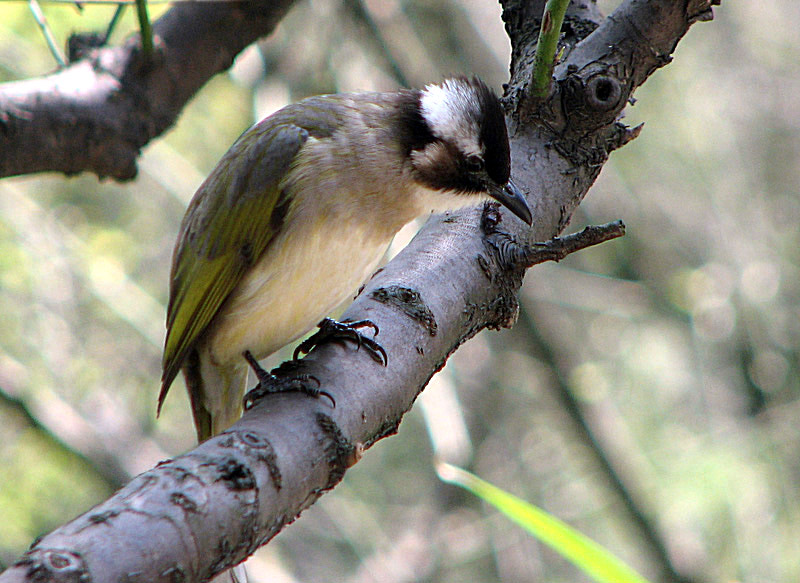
x=474, y=163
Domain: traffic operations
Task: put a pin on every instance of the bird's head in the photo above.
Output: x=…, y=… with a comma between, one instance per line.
x=469, y=151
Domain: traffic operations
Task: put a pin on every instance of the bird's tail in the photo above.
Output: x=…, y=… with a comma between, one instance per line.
x=216, y=394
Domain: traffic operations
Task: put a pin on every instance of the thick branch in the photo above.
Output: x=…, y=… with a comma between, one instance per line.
x=97, y=113
x=242, y=487
x=560, y=146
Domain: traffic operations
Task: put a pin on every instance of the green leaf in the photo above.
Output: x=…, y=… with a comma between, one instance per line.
x=582, y=551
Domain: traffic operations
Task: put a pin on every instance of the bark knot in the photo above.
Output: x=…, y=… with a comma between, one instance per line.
x=410, y=302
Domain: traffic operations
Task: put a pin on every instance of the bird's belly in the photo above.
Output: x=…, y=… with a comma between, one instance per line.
x=293, y=286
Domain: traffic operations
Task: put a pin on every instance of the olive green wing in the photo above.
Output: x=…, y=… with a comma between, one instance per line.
x=229, y=224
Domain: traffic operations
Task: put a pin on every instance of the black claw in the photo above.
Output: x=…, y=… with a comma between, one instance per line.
x=330, y=330
x=374, y=349
x=362, y=324
x=317, y=392
x=269, y=384
x=262, y=375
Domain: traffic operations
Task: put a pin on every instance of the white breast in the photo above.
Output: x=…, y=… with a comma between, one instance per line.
x=300, y=280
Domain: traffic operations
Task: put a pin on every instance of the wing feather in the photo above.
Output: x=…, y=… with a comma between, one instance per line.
x=229, y=224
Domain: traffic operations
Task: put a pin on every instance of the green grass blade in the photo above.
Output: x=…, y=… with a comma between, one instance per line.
x=583, y=552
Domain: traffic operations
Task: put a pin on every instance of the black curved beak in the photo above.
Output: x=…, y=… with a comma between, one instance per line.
x=512, y=198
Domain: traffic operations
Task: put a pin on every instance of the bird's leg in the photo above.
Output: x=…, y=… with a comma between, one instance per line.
x=331, y=330
x=269, y=383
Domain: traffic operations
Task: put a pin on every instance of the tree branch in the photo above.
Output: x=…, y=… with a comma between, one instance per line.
x=96, y=114
x=202, y=512
x=513, y=255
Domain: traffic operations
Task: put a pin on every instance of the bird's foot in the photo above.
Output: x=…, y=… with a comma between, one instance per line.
x=331, y=330
x=269, y=383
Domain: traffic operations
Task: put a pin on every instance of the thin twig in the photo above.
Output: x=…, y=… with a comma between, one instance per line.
x=40, y=19
x=517, y=255
x=113, y=22
x=558, y=248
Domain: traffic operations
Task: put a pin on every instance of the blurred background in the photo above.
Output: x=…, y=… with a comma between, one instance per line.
x=648, y=395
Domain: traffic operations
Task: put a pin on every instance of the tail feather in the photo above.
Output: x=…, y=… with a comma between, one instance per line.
x=216, y=395
x=215, y=392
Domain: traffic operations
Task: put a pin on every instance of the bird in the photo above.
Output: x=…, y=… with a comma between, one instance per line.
x=300, y=211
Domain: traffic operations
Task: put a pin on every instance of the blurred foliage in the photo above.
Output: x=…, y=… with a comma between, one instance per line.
x=580, y=550
x=680, y=341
